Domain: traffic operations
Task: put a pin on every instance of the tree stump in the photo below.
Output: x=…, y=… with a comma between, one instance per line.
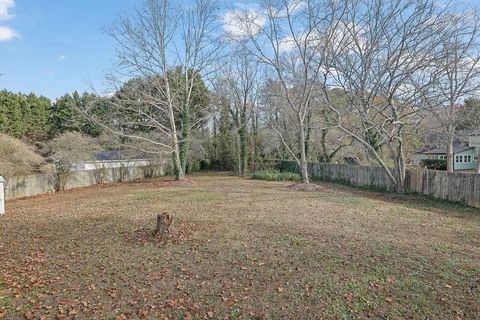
x=164, y=223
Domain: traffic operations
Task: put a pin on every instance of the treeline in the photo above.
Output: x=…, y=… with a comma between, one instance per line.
x=38, y=119
x=38, y=135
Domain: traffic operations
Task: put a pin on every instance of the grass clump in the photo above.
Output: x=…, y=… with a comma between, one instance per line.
x=272, y=175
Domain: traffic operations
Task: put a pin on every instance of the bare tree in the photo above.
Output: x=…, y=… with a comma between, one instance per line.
x=382, y=59
x=283, y=36
x=65, y=151
x=166, y=49
x=459, y=76
x=240, y=84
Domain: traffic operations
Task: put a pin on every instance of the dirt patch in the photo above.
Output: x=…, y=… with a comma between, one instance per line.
x=306, y=187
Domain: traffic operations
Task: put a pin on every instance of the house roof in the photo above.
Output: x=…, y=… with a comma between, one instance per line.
x=109, y=155
x=456, y=149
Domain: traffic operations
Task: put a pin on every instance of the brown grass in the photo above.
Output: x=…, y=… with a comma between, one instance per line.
x=246, y=249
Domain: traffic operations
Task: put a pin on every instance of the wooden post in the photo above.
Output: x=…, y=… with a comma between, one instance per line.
x=2, y=195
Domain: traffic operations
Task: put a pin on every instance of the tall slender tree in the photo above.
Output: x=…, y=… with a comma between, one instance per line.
x=154, y=41
x=283, y=36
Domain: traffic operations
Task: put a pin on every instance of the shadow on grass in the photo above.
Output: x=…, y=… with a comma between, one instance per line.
x=412, y=201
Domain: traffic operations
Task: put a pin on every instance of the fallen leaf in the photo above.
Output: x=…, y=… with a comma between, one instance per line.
x=28, y=315
x=348, y=296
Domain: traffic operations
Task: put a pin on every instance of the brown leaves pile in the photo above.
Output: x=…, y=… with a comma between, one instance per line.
x=164, y=183
x=306, y=187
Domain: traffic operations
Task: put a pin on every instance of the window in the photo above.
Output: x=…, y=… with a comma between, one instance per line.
x=467, y=158
x=458, y=159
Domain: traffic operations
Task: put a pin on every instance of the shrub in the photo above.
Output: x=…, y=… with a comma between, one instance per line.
x=272, y=175
x=17, y=158
x=287, y=166
x=434, y=164
x=153, y=168
x=204, y=165
x=67, y=149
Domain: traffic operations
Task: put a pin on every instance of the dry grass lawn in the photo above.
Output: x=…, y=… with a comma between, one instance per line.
x=246, y=250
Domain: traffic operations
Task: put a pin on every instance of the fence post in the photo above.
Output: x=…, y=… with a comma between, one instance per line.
x=2, y=195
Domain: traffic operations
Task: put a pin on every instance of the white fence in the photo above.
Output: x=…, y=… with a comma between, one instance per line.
x=27, y=186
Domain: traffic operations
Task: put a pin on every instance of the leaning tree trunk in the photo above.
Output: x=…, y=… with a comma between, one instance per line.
x=164, y=223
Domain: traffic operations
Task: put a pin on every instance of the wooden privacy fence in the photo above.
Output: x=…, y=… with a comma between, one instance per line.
x=458, y=187
x=452, y=186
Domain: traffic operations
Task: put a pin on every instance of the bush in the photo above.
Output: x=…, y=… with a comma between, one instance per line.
x=434, y=164
x=287, y=166
x=272, y=175
x=17, y=158
x=66, y=150
x=204, y=165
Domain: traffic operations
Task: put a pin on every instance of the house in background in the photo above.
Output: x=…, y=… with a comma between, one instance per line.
x=464, y=157
x=112, y=159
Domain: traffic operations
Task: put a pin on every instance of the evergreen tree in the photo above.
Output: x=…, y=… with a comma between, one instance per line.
x=24, y=116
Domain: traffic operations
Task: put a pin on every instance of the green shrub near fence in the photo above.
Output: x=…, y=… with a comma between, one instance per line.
x=287, y=166
x=273, y=175
x=434, y=164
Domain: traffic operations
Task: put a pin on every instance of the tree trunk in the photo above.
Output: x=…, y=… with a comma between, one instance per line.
x=243, y=151
x=303, y=156
x=185, y=142
x=450, y=155
x=255, y=152
x=400, y=169
x=239, y=159
x=164, y=223
x=307, y=139
x=177, y=165
x=400, y=186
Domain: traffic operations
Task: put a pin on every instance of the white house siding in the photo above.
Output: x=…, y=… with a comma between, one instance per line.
x=467, y=160
x=107, y=164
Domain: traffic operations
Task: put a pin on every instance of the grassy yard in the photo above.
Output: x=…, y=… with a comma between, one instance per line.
x=246, y=249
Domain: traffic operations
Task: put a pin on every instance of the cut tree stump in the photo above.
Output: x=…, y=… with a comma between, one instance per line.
x=164, y=223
